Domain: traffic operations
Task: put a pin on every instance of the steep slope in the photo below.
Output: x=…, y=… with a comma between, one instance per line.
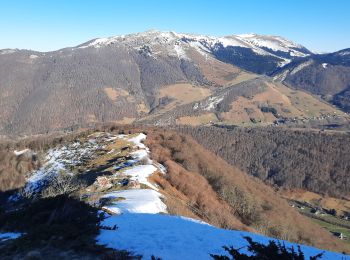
x=277, y=45
x=68, y=87
x=119, y=78
x=327, y=75
x=255, y=101
x=291, y=158
x=105, y=171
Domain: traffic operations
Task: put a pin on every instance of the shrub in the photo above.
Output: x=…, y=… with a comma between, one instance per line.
x=61, y=184
x=272, y=251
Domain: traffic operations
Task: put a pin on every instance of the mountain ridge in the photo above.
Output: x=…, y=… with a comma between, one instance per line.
x=147, y=32
x=127, y=78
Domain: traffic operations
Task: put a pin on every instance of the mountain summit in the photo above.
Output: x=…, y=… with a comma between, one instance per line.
x=178, y=43
x=153, y=77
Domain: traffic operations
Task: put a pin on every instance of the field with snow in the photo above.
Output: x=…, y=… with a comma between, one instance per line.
x=174, y=237
x=135, y=209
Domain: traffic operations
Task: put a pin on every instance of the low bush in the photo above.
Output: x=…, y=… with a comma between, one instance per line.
x=272, y=251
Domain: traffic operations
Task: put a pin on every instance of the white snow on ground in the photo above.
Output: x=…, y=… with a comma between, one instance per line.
x=9, y=235
x=324, y=65
x=141, y=230
x=137, y=140
x=274, y=43
x=33, y=56
x=301, y=66
x=61, y=158
x=171, y=237
x=213, y=102
x=136, y=201
x=231, y=41
x=281, y=76
x=180, y=52
x=285, y=62
x=18, y=153
x=176, y=44
x=140, y=154
x=141, y=173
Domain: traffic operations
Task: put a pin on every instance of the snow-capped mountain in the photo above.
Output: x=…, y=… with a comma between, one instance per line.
x=280, y=50
x=121, y=78
x=327, y=75
x=276, y=44
x=260, y=44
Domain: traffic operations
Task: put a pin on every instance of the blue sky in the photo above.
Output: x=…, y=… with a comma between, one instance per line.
x=320, y=25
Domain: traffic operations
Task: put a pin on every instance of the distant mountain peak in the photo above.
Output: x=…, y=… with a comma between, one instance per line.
x=178, y=42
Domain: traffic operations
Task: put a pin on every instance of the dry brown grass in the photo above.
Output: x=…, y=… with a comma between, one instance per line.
x=218, y=72
x=340, y=205
x=126, y=120
x=114, y=93
x=13, y=169
x=287, y=102
x=241, y=77
x=182, y=93
x=197, y=120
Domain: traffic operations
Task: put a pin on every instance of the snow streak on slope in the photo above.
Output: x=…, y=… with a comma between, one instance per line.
x=274, y=43
x=139, y=169
x=136, y=201
x=141, y=173
x=9, y=235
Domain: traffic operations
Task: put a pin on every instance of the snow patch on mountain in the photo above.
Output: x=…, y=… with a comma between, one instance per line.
x=301, y=66
x=61, y=159
x=173, y=237
x=274, y=43
x=176, y=44
x=135, y=201
x=141, y=173
x=213, y=102
x=138, y=140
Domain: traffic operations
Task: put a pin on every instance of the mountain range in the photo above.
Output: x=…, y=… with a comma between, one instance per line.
x=164, y=145
x=167, y=78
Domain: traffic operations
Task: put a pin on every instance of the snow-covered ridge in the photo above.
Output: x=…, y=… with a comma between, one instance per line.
x=132, y=221
x=275, y=43
x=177, y=44
x=137, y=170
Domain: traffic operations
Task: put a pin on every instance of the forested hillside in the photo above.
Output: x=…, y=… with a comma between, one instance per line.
x=314, y=160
